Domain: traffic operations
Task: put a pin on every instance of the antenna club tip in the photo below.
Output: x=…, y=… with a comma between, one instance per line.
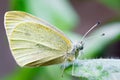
x=98, y=22
x=103, y=34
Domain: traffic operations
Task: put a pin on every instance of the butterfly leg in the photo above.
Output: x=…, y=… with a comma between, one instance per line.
x=80, y=53
x=73, y=67
x=64, y=64
x=75, y=62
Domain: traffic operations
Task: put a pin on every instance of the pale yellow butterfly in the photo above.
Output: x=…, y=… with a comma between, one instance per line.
x=34, y=42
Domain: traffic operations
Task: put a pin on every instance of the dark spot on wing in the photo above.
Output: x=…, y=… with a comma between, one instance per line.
x=38, y=45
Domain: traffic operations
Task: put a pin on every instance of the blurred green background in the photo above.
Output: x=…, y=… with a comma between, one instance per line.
x=74, y=18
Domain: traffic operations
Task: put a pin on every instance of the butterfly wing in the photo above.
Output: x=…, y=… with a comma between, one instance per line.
x=34, y=44
x=13, y=18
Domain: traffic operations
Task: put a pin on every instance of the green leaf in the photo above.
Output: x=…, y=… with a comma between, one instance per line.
x=94, y=47
x=24, y=74
x=42, y=73
x=57, y=12
x=18, y=5
x=96, y=69
x=114, y=4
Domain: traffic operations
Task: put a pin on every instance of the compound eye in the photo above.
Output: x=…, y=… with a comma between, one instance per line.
x=81, y=48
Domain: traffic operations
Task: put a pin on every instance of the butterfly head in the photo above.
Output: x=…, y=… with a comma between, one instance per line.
x=75, y=51
x=80, y=46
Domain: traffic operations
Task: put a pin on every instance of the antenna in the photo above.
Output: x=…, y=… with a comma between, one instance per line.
x=89, y=30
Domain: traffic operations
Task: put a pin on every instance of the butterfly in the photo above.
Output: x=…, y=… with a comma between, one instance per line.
x=34, y=42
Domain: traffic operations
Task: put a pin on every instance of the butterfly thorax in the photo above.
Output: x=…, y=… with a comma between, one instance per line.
x=75, y=51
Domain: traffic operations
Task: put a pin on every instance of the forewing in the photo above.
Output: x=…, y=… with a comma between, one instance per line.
x=13, y=18
x=35, y=43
